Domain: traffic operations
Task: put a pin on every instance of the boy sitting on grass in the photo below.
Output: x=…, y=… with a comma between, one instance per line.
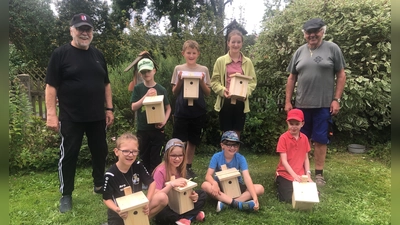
x=293, y=147
x=230, y=157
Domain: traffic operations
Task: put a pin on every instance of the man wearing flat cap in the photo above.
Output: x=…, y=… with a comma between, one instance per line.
x=77, y=76
x=314, y=66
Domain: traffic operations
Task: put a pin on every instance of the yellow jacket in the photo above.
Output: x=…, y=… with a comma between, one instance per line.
x=219, y=76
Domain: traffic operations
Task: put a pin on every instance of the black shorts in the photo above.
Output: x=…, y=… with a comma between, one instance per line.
x=284, y=189
x=232, y=117
x=189, y=129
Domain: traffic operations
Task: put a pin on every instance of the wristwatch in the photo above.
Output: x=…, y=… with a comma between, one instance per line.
x=336, y=99
x=110, y=109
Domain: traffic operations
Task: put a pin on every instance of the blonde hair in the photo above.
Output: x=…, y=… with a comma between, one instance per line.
x=190, y=44
x=124, y=137
x=181, y=168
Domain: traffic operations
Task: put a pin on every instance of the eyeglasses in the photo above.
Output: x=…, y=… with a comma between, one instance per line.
x=176, y=156
x=84, y=28
x=231, y=145
x=128, y=152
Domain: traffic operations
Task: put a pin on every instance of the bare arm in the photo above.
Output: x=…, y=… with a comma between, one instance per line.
x=291, y=81
x=109, y=113
x=167, y=114
x=340, y=83
x=206, y=90
x=51, y=103
x=307, y=167
x=111, y=205
x=136, y=105
x=176, y=88
x=249, y=184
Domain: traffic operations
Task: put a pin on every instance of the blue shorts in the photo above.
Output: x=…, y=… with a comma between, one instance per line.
x=316, y=126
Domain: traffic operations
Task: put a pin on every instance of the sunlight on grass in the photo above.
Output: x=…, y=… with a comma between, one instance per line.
x=357, y=192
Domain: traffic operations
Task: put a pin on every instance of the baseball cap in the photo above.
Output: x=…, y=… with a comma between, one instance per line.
x=295, y=114
x=145, y=64
x=315, y=23
x=80, y=20
x=174, y=142
x=230, y=136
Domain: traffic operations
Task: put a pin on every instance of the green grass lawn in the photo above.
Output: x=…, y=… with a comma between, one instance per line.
x=357, y=192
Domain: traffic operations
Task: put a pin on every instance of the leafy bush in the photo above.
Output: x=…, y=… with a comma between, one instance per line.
x=362, y=30
x=31, y=144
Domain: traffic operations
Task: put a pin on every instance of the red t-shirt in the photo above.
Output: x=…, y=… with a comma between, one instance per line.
x=296, y=152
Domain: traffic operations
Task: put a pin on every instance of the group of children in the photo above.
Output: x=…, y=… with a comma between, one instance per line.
x=155, y=173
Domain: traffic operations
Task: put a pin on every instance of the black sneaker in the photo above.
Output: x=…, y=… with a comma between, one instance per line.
x=98, y=190
x=190, y=173
x=65, y=203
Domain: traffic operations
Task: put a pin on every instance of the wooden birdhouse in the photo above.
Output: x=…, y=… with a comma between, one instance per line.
x=133, y=204
x=154, y=109
x=229, y=181
x=305, y=194
x=191, y=85
x=179, y=197
x=238, y=86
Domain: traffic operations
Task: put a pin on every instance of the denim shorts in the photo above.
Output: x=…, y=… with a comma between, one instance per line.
x=316, y=126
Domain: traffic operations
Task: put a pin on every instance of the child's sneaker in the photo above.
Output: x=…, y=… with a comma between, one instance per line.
x=220, y=206
x=201, y=216
x=183, y=222
x=249, y=205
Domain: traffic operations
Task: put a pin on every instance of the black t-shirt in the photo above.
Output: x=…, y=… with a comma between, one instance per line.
x=79, y=77
x=115, y=181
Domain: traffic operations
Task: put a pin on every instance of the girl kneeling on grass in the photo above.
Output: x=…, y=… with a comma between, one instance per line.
x=174, y=164
x=128, y=172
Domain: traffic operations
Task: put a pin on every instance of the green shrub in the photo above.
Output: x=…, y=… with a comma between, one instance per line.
x=362, y=30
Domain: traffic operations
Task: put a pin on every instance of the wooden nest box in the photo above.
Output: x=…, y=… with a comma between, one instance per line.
x=238, y=86
x=133, y=204
x=229, y=181
x=154, y=109
x=305, y=194
x=191, y=85
x=179, y=197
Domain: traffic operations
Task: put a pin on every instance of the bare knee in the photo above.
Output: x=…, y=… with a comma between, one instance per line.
x=259, y=189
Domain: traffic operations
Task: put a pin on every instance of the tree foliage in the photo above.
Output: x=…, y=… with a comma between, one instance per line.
x=361, y=28
x=31, y=29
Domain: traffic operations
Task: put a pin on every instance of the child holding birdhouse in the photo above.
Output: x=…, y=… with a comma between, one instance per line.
x=232, y=116
x=151, y=136
x=128, y=172
x=293, y=147
x=189, y=119
x=231, y=158
x=174, y=165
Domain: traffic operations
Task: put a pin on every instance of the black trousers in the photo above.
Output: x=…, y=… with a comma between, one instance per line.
x=284, y=189
x=151, y=143
x=71, y=141
x=168, y=216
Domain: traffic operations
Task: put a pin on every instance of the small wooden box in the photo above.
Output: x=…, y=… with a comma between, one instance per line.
x=133, y=204
x=179, y=198
x=154, y=109
x=305, y=194
x=191, y=85
x=238, y=86
x=229, y=181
